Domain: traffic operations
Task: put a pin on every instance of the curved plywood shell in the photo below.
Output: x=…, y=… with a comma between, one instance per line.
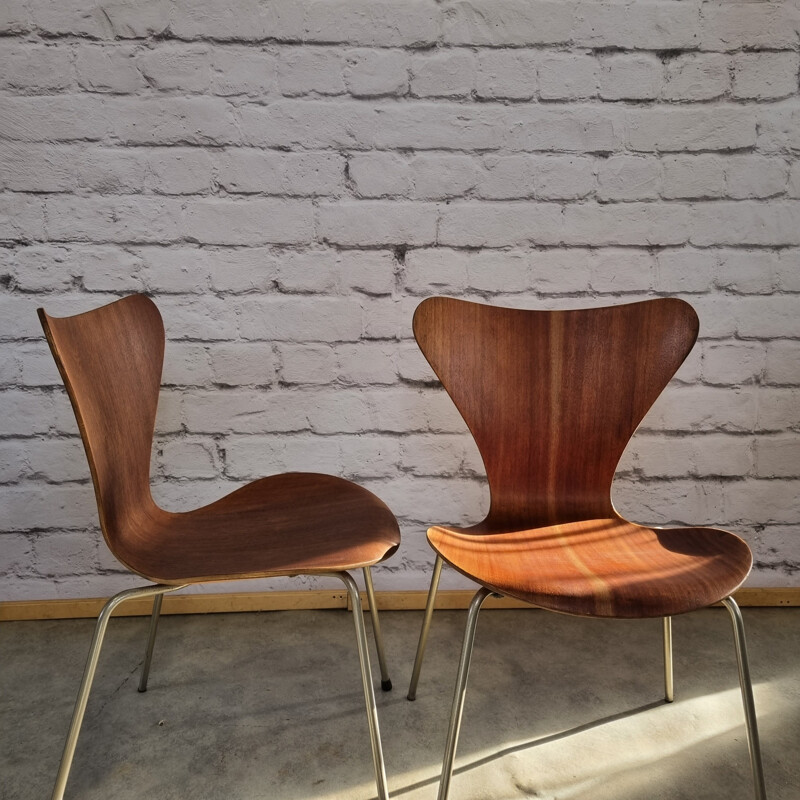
x=110, y=359
x=552, y=399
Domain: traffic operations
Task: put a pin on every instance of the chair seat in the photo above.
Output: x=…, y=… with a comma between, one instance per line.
x=289, y=524
x=601, y=567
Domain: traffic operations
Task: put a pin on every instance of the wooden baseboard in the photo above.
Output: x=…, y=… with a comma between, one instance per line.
x=460, y=599
x=220, y=603
x=312, y=599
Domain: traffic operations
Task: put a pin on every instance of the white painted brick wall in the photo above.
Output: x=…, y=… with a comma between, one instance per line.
x=288, y=178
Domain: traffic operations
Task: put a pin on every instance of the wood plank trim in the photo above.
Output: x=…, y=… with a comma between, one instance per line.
x=313, y=599
x=175, y=604
x=460, y=599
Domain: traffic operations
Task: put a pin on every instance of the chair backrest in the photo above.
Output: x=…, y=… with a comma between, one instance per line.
x=553, y=397
x=110, y=360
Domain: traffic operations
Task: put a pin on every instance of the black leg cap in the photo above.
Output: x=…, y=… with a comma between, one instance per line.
x=386, y=686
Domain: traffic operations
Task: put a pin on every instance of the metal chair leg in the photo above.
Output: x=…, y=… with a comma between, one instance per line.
x=747, y=698
x=151, y=640
x=386, y=683
x=669, y=689
x=461, y=691
x=366, y=679
x=88, y=677
x=426, y=624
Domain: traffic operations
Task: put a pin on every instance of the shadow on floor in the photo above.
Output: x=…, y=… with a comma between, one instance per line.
x=270, y=705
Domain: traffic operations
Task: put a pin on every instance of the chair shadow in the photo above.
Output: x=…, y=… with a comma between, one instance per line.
x=553, y=737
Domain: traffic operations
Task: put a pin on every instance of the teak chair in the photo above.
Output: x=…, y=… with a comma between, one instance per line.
x=297, y=523
x=552, y=398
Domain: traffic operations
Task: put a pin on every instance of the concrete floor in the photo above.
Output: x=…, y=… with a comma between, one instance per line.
x=270, y=706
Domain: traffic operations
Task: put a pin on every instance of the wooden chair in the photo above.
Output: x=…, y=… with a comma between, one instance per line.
x=298, y=523
x=552, y=398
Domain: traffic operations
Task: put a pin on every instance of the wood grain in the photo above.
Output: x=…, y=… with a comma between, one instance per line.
x=552, y=399
x=110, y=359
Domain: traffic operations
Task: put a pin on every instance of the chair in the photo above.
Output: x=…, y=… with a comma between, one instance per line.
x=297, y=523
x=552, y=398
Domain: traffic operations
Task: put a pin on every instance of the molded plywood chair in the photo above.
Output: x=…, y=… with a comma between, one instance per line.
x=552, y=398
x=298, y=523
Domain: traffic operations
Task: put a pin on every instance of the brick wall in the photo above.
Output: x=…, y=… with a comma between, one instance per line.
x=288, y=179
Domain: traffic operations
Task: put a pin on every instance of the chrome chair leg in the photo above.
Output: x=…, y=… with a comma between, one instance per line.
x=366, y=679
x=461, y=691
x=386, y=683
x=426, y=624
x=747, y=698
x=151, y=640
x=669, y=689
x=88, y=677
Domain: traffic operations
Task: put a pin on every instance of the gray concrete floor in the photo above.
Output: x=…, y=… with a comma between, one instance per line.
x=270, y=706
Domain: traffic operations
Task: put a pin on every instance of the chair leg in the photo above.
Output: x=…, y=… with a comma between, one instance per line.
x=669, y=689
x=461, y=691
x=426, y=624
x=88, y=677
x=366, y=679
x=151, y=640
x=747, y=698
x=386, y=683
